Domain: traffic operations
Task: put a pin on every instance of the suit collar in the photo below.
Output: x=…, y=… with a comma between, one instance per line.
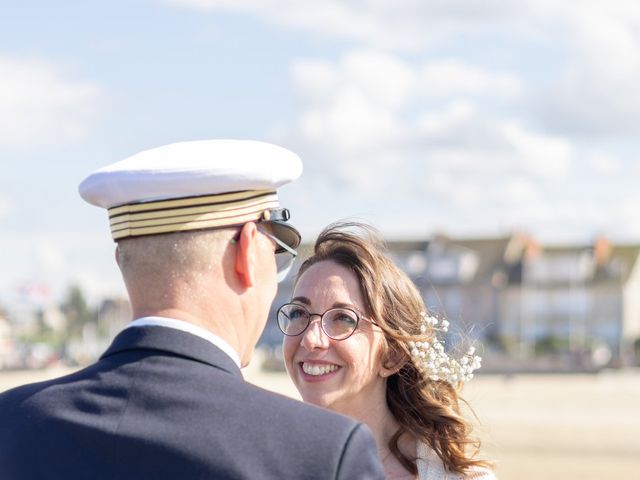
x=189, y=328
x=172, y=341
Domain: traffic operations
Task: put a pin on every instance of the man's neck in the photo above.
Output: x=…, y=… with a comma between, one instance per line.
x=222, y=327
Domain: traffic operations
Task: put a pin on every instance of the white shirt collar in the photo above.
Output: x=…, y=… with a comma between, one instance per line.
x=189, y=328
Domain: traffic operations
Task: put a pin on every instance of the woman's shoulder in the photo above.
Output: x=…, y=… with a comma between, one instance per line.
x=475, y=473
x=430, y=467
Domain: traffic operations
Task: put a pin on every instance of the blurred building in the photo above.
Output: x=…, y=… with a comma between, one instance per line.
x=8, y=350
x=584, y=298
x=464, y=279
x=113, y=315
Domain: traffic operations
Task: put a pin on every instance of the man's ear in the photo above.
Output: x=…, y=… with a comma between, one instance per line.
x=117, y=254
x=246, y=254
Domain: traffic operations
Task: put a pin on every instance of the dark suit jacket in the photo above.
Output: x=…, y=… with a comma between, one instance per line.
x=165, y=404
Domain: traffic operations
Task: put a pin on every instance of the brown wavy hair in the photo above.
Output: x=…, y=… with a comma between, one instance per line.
x=427, y=410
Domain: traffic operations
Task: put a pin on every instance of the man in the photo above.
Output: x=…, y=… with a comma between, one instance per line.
x=198, y=227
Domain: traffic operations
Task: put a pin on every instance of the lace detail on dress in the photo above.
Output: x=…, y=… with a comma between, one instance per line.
x=430, y=467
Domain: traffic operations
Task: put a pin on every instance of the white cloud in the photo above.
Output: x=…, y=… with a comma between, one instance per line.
x=407, y=25
x=356, y=137
x=622, y=219
x=350, y=122
x=465, y=139
x=6, y=206
x=544, y=155
x=594, y=90
x=603, y=163
x=364, y=100
x=460, y=124
x=49, y=255
x=40, y=105
x=380, y=78
x=445, y=77
x=519, y=191
x=597, y=91
x=316, y=79
x=449, y=160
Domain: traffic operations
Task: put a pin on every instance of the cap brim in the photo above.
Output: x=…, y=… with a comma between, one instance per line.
x=286, y=233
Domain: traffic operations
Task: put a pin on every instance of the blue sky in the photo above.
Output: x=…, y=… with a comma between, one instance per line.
x=472, y=118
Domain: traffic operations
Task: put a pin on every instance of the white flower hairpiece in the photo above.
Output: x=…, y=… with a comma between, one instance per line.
x=434, y=362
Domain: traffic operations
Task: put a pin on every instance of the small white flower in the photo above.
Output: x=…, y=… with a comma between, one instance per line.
x=434, y=362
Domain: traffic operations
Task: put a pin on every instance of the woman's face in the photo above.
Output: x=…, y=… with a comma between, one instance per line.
x=344, y=375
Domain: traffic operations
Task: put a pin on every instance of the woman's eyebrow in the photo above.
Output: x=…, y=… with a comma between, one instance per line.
x=345, y=305
x=304, y=300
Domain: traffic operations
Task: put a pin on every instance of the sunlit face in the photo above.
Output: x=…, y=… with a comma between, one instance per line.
x=340, y=375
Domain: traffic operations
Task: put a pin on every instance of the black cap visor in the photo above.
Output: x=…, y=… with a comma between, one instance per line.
x=277, y=219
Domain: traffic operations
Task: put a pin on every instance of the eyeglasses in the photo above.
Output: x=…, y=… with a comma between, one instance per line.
x=336, y=323
x=285, y=255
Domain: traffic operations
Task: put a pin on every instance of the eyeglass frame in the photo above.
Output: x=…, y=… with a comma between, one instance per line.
x=284, y=248
x=358, y=315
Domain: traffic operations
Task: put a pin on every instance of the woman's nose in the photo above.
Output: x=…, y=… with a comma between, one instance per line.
x=314, y=337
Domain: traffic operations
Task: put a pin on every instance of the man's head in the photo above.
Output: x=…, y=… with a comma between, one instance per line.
x=198, y=226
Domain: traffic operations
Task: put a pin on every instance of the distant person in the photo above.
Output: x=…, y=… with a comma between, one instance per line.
x=200, y=236
x=359, y=341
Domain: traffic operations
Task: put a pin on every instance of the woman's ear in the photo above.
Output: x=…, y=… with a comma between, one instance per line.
x=387, y=372
x=246, y=254
x=394, y=362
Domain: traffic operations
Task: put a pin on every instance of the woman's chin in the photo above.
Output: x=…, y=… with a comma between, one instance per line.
x=317, y=399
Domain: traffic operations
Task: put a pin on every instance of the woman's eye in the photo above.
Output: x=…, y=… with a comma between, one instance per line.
x=345, y=318
x=297, y=314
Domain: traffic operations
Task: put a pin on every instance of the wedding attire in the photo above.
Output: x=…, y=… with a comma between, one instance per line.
x=431, y=467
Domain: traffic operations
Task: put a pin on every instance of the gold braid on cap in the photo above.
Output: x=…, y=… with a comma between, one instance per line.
x=431, y=359
x=190, y=213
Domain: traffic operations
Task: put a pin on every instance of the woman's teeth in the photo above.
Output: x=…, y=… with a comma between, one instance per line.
x=315, y=369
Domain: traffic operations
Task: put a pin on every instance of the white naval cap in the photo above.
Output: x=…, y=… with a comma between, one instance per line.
x=194, y=186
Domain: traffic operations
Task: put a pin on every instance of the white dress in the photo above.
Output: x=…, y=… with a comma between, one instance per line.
x=430, y=467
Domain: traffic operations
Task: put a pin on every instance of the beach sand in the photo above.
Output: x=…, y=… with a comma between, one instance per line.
x=533, y=426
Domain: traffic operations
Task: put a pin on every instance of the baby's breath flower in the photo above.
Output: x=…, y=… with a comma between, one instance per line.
x=434, y=362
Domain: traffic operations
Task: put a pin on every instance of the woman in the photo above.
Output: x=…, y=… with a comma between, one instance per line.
x=358, y=341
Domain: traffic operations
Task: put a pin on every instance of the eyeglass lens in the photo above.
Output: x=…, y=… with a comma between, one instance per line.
x=284, y=258
x=284, y=261
x=337, y=323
